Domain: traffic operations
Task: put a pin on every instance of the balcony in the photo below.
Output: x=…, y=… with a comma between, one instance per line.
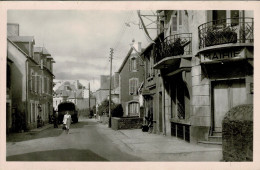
x=226, y=32
x=173, y=47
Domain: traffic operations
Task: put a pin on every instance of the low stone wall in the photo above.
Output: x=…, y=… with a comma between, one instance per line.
x=237, y=134
x=104, y=119
x=118, y=123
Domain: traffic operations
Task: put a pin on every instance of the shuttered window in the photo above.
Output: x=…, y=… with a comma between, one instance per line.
x=174, y=23
x=133, y=109
x=31, y=80
x=133, y=86
x=133, y=64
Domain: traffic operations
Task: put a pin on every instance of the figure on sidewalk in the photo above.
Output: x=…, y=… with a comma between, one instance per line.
x=55, y=117
x=67, y=121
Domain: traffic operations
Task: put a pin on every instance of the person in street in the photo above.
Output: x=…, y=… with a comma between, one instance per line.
x=67, y=121
x=55, y=117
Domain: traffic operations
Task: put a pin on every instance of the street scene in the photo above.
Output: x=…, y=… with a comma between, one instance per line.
x=130, y=86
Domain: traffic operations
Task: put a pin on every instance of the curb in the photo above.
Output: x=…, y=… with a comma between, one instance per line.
x=42, y=128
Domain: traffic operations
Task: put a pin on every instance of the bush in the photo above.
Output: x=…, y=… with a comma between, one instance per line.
x=104, y=107
x=216, y=36
x=117, y=111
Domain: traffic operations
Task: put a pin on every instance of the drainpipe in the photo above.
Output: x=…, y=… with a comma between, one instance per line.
x=243, y=27
x=164, y=121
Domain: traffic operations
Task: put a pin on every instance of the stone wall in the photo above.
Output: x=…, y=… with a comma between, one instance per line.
x=237, y=134
x=126, y=123
x=104, y=119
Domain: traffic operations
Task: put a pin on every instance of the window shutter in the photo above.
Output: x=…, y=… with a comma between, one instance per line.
x=138, y=63
x=129, y=86
x=130, y=64
x=174, y=23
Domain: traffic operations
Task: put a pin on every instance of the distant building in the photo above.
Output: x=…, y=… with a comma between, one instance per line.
x=73, y=91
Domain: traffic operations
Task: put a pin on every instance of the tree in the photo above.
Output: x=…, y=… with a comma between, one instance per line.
x=117, y=111
x=104, y=107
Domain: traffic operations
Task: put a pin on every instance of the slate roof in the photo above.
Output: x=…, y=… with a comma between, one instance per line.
x=22, y=38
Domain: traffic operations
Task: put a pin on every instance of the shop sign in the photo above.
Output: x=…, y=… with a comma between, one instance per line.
x=223, y=54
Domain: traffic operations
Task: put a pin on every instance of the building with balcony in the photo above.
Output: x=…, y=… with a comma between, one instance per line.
x=31, y=96
x=205, y=60
x=152, y=87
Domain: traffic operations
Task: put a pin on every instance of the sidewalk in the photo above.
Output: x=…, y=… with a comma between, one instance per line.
x=153, y=147
x=41, y=128
x=31, y=134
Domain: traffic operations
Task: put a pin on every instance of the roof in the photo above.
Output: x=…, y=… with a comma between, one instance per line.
x=45, y=51
x=37, y=49
x=125, y=60
x=22, y=39
x=77, y=95
x=42, y=50
x=151, y=44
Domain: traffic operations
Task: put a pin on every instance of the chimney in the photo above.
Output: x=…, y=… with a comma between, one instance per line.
x=12, y=29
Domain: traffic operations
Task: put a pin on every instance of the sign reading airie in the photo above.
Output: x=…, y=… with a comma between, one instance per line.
x=223, y=54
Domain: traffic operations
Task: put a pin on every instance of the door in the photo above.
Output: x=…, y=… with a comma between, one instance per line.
x=221, y=103
x=227, y=94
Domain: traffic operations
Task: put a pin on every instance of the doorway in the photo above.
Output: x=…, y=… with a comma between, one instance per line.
x=226, y=95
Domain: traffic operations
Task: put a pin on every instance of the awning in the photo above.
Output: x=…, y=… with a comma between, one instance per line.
x=173, y=61
x=147, y=92
x=229, y=68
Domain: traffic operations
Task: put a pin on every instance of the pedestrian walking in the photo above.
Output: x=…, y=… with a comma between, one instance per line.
x=55, y=117
x=67, y=121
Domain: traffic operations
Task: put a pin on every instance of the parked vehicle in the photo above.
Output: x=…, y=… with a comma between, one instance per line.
x=71, y=108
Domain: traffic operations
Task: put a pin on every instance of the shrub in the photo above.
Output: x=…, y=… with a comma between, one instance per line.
x=104, y=107
x=117, y=111
x=216, y=36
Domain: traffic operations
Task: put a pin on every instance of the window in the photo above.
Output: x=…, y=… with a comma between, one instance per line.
x=174, y=22
x=35, y=85
x=133, y=109
x=36, y=111
x=31, y=80
x=219, y=16
x=180, y=17
x=32, y=110
x=39, y=83
x=133, y=86
x=133, y=63
x=235, y=17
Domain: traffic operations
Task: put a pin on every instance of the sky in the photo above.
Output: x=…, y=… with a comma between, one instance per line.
x=80, y=41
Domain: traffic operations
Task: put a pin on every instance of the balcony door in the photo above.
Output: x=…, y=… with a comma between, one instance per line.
x=218, y=15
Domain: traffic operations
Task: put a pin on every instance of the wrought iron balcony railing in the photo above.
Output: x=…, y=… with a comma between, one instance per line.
x=174, y=45
x=224, y=31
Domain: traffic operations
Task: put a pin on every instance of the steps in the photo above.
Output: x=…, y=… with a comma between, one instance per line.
x=214, y=139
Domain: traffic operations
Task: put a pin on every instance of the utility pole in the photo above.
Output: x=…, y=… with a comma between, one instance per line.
x=89, y=97
x=110, y=59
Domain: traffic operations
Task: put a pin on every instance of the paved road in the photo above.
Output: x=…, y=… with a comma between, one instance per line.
x=83, y=143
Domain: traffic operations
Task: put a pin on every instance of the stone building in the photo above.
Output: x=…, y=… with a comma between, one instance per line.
x=31, y=80
x=205, y=60
x=131, y=73
x=152, y=88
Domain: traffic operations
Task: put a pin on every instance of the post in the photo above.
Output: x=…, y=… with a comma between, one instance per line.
x=111, y=58
x=89, y=97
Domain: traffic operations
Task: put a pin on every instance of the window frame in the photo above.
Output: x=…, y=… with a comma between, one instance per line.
x=133, y=86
